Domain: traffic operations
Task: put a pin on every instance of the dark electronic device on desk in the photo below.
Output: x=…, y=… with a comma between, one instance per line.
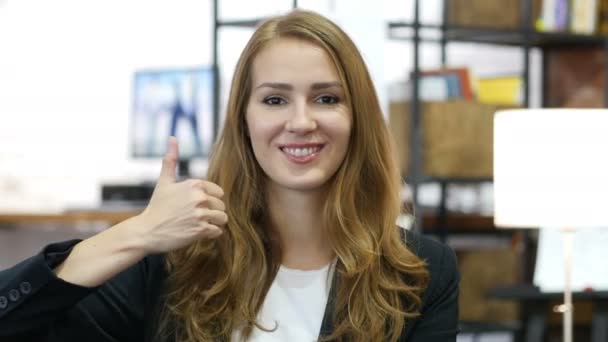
x=125, y=196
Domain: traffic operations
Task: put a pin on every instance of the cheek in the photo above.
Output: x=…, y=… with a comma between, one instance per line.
x=340, y=128
x=255, y=138
x=262, y=129
x=343, y=132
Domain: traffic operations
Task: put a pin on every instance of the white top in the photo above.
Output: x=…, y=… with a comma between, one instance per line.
x=295, y=304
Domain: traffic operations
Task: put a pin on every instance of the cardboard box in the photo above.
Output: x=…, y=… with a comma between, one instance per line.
x=481, y=271
x=457, y=137
x=501, y=14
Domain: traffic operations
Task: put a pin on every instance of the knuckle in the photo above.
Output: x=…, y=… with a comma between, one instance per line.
x=207, y=226
x=197, y=192
x=200, y=213
x=214, y=188
x=194, y=183
x=219, y=190
x=197, y=229
x=204, y=228
x=202, y=199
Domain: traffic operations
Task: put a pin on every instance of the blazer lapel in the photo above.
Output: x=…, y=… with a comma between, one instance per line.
x=327, y=325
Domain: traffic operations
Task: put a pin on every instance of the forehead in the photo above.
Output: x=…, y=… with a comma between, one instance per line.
x=293, y=60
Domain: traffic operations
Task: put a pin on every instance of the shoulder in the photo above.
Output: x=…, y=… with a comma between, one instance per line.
x=437, y=254
x=441, y=263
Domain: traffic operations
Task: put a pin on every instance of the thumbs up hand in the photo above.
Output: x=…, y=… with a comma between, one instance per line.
x=180, y=213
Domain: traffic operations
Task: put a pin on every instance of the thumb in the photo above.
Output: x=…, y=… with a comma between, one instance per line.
x=168, y=170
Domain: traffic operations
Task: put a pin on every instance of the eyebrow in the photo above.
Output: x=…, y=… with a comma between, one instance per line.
x=287, y=86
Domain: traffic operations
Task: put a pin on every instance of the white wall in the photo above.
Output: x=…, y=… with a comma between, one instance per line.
x=65, y=82
x=66, y=68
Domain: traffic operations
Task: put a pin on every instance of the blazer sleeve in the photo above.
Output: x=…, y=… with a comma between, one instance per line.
x=438, y=321
x=36, y=305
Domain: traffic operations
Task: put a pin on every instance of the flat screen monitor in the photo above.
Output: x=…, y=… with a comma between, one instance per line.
x=172, y=102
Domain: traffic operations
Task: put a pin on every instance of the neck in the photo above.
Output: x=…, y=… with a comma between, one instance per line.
x=297, y=218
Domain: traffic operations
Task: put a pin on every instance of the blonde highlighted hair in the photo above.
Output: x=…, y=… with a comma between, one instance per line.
x=217, y=287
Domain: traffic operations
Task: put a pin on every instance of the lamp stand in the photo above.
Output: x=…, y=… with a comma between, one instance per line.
x=567, y=308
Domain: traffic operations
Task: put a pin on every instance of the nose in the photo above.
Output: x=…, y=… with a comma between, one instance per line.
x=302, y=120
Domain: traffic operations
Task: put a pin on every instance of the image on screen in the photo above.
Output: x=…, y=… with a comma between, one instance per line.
x=176, y=102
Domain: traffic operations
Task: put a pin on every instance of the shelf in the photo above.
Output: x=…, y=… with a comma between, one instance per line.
x=462, y=223
x=510, y=37
x=531, y=292
x=456, y=180
x=69, y=217
x=450, y=180
x=247, y=23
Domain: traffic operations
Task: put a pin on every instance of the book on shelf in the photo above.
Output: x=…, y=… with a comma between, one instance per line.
x=446, y=84
x=603, y=17
x=562, y=15
x=554, y=16
x=502, y=14
x=436, y=88
x=577, y=16
x=501, y=90
x=584, y=16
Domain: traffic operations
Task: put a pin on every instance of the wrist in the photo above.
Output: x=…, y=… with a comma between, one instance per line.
x=131, y=232
x=95, y=260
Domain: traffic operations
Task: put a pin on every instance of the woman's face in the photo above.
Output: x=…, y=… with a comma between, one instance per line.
x=298, y=121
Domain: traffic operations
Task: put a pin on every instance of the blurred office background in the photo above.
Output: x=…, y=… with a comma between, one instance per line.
x=68, y=108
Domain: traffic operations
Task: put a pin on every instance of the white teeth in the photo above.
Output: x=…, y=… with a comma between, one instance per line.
x=301, y=152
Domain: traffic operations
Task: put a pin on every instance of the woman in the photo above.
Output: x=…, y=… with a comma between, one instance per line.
x=292, y=236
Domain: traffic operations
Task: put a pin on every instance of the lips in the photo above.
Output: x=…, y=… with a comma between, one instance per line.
x=301, y=153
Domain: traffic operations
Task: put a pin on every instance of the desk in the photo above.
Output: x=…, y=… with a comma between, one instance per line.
x=24, y=234
x=111, y=217
x=538, y=302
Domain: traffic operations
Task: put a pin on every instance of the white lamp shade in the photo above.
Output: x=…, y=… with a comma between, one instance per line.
x=551, y=168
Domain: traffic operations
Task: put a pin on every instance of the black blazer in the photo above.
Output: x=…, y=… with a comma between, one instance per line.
x=35, y=305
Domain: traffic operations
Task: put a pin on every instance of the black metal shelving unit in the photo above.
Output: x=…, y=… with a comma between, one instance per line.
x=525, y=37
x=411, y=31
x=495, y=36
x=217, y=25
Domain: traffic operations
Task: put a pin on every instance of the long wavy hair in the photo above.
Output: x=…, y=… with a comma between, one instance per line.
x=218, y=286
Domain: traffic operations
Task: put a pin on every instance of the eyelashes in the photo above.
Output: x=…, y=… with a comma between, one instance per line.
x=275, y=100
x=328, y=99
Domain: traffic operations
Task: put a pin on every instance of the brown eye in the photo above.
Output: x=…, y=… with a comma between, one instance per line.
x=327, y=99
x=274, y=101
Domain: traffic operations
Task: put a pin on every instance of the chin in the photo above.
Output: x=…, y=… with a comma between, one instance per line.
x=304, y=184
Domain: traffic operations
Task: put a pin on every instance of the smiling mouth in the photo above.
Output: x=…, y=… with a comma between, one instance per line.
x=301, y=152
